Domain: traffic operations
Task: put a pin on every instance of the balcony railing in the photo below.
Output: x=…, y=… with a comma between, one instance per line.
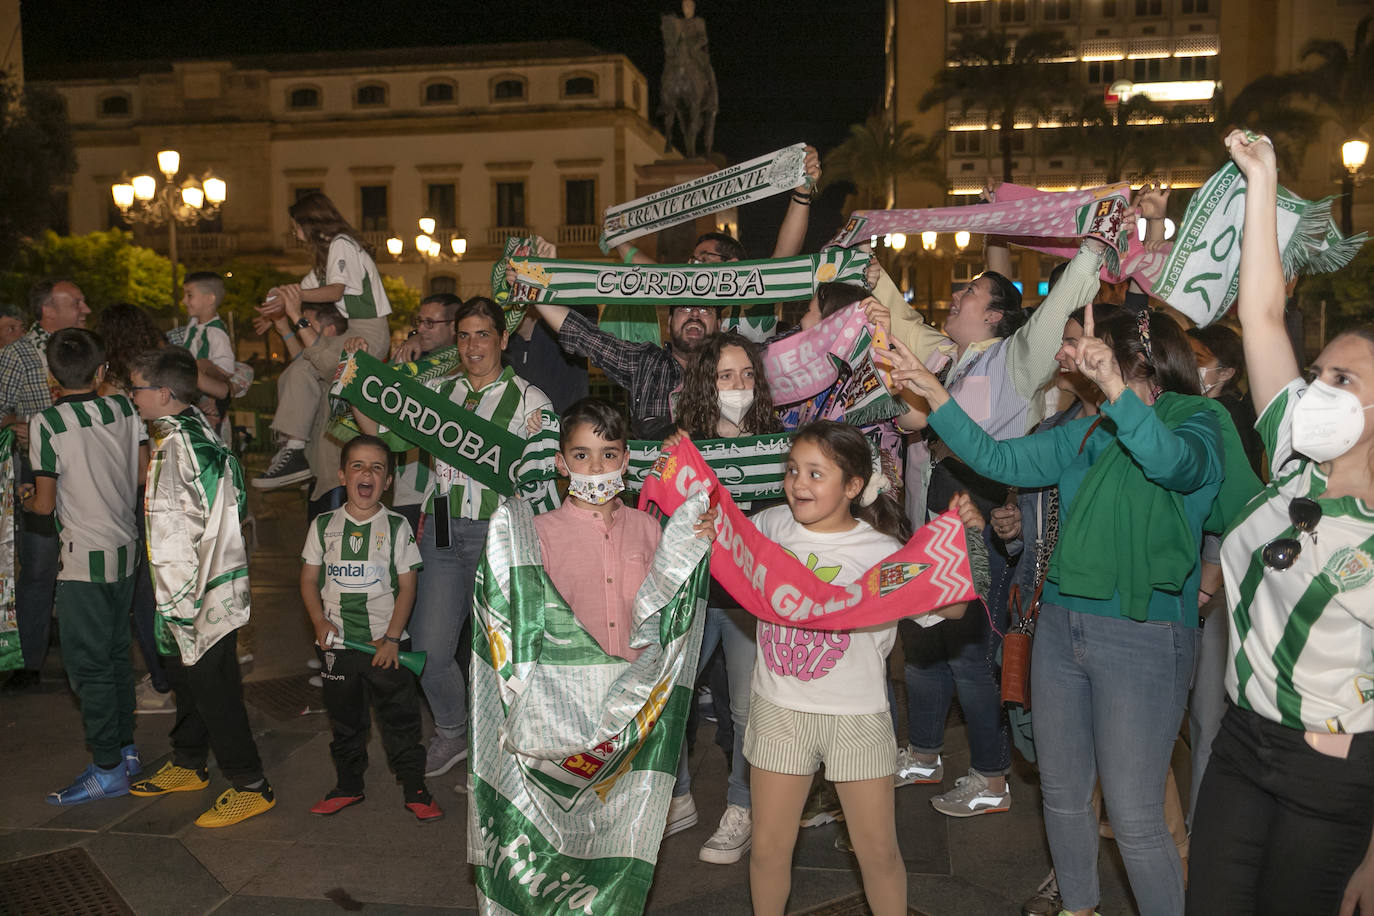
x=578, y=235
x=207, y=244
x=497, y=235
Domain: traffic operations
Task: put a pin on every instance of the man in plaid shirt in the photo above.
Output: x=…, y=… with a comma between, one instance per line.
x=650, y=374
x=24, y=392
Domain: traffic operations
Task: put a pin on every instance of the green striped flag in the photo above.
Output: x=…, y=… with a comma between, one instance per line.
x=574, y=752
x=729, y=282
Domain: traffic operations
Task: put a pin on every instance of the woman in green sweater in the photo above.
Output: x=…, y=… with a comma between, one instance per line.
x=1114, y=645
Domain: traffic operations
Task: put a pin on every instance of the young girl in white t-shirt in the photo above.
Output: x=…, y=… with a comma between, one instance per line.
x=819, y=697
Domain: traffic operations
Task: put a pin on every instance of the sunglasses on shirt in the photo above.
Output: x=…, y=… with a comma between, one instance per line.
x=1281, y=553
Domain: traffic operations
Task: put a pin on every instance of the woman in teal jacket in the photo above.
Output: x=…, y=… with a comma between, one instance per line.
x=1114, y=646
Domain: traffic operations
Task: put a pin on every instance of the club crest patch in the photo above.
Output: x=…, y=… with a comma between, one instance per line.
x=356, y=542
x=1349, y=568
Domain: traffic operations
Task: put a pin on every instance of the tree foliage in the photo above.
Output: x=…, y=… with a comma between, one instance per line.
x=1348, y=293
x=108, y=267
x=405, y=300
x=1133, y=138
x=36, y=158
x=1001, y=76
x=877, y=154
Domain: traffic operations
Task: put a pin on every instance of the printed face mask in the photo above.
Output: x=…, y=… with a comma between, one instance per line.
x=1327, y=422
x=735, y=402
x=597, y=489
x=1202, y=379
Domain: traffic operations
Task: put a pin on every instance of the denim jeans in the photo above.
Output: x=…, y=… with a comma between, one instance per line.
x=734, y=630
x=960, y=654
x=1207, y=702
x=1109, y=696
x=39, y=547
x=443, y=602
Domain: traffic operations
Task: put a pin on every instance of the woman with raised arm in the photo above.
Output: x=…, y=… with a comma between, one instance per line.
x=1285, y=816
x=1113, y=650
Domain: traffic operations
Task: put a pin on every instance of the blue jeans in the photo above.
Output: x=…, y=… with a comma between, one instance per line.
x=39, y=548
x=1109, y=696
x=1207, y=702
x=960, y=654
x=443, y=602
x=734, y=630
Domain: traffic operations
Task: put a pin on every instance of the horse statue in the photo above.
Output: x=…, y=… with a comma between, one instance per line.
x=688, y=95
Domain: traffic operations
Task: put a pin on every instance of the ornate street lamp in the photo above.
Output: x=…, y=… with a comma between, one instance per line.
x=142, y=200
x=1354, y=152
x=427, y=247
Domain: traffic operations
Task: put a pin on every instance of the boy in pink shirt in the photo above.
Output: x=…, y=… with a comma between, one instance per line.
x=596, y=549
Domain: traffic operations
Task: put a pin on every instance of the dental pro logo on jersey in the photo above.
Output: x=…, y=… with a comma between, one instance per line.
x=355, y=574
x=1349, y=568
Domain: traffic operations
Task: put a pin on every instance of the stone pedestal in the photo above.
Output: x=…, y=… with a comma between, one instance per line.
x=674, y=245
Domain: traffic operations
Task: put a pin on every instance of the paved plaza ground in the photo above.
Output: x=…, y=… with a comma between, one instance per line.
x=376, y=858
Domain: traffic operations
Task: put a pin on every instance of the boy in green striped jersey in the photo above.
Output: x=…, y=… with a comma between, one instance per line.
x=87, y=454
x=358, y=584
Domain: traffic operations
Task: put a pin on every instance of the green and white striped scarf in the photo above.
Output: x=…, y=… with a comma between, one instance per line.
x=749, y=466
x=575, y=752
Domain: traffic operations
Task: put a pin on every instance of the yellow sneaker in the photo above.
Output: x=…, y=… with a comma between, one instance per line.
x=172, y=778
x=238, y=805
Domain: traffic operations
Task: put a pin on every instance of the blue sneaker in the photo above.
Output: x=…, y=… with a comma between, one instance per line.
x=93, y=783
x=133, y=764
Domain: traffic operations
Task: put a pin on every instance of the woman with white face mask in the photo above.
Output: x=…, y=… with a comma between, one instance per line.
x=725, y=395
x=1286, y=809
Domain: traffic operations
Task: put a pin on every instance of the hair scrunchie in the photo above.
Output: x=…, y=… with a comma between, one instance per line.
x=877, y=480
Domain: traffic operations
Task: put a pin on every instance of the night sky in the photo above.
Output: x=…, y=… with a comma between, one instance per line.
x=783, y=74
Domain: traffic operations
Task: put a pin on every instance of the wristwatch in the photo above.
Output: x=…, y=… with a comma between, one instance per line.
x=302, y=322
x=392, y=639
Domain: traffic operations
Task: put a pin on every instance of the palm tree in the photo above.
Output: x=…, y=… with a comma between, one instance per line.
x=1264, y=104
x=1137, y=135
x=990, y=71
x=877, y=154
x=1342, y=84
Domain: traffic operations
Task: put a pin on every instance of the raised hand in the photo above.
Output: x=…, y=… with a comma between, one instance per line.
x=812, y=165
x=1253, y=154
x=1096, y=360
x=353, y=344
x=1152, y=200
x=878, y=314
x=968, y=511
x=911, y=373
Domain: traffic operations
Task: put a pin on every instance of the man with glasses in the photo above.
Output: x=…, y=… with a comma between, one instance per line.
x=24, y=391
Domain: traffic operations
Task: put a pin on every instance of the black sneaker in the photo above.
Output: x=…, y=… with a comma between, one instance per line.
x=288, y=467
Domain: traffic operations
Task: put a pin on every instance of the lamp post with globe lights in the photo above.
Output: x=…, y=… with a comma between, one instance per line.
x=1354, y=152
x=142, y=200
x=428, y=248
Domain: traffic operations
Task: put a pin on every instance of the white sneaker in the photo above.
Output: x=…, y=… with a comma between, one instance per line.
x=971, y=796
x=682, y=815
x=316, y=681
x=313, y=663
x=911, y=772
x=732, y=838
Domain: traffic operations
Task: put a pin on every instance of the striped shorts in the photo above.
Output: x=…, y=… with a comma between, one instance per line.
x=797, y=743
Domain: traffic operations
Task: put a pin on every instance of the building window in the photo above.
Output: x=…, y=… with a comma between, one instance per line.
x=510, y=204
x=1193, y=68
x=115, y=106
x=968, y=142
x=303, y=98
x=507, y=90
x=1018, y=141
x=1102, y=72
x=1057, y=10
x=1011, y=10
x=440, y=92
x=442, y=204
x=579, y=87
x=1146, y=71
x=579, y=202
x=968, y=14
x=370, y=96
x=1149, y=7
x=372, y=207
x=1196, y=7
x=443, y=283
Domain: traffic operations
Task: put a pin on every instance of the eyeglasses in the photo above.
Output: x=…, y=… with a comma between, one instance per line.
x=707, y=257
x=430, y=323
x=1303, y=514
x=693, y=309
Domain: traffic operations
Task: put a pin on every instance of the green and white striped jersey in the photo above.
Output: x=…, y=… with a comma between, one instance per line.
x=1302, y=638
x=90, y=445
x=360, y=567
x=507, y=402
x=351, y=266
x=210, y=341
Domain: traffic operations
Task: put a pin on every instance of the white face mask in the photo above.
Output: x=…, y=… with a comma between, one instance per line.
x=597, y=489
x=1202, y=378
x=735, y=403
x=1327, y=422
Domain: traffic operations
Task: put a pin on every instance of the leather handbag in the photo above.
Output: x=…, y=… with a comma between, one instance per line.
x=1016, y=650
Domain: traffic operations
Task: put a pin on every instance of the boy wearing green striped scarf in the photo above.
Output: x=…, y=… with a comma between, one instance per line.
x=87, y=452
